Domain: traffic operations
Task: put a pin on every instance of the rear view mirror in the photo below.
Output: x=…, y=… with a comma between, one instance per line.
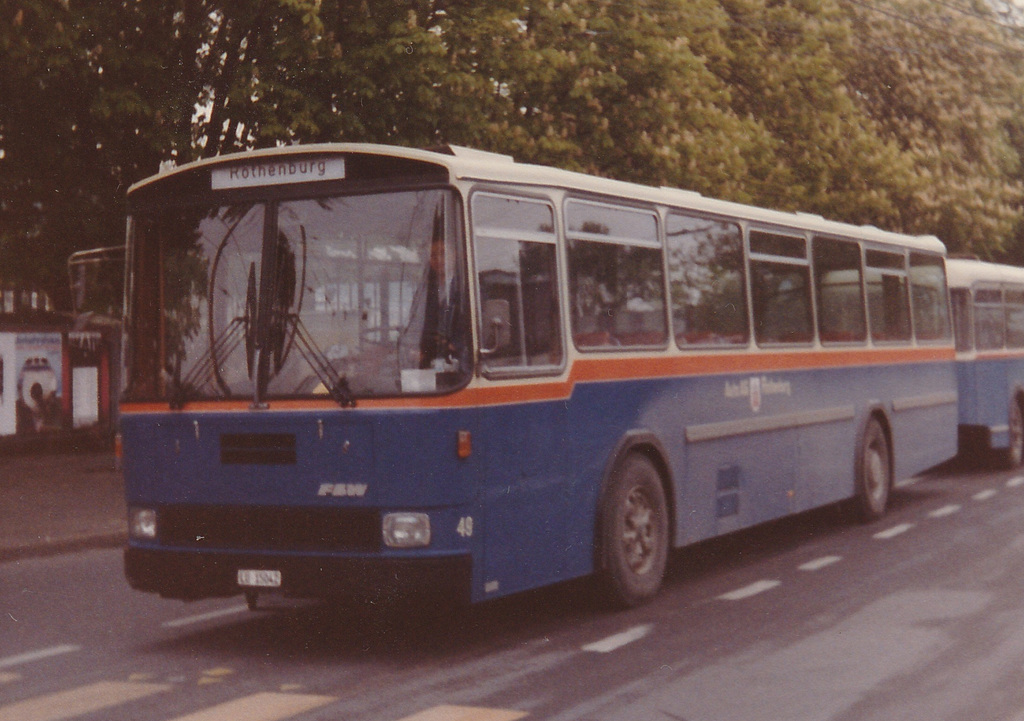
x=496, y=326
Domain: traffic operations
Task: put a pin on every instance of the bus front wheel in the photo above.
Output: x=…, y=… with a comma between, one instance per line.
x=874, y=473
x=634, y=532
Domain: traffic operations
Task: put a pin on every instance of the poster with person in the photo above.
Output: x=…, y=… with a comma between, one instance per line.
x=38, y=359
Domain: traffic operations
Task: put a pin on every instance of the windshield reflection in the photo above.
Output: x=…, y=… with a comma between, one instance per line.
x=336, y=297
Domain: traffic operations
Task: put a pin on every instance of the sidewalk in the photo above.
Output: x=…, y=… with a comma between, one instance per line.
x=54, y=500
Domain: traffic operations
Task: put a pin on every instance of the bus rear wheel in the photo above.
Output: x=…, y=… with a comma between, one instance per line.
x=1013, y=456
x=634, y=532
x=874, y=473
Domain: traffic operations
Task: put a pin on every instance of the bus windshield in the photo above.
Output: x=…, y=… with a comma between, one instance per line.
x=322, y=297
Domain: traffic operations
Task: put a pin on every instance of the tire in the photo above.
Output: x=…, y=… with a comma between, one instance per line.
x=634, y=533
x=1012, y=456
x=874, y=473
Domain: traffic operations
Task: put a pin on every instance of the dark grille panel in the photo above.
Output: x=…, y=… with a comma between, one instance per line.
x=270, y=529
x=258, y=448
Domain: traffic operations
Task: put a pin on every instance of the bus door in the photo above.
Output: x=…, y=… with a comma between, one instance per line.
x=525, y=495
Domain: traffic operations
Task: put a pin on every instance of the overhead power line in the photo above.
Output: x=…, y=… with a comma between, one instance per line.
x=983, y=17
x=1016, y=51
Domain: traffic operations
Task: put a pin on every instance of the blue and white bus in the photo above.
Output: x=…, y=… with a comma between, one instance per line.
x=365, y=369
x=988, y=315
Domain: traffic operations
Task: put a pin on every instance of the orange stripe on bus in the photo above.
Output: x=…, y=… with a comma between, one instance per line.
x=998, y=355
x=597, y=369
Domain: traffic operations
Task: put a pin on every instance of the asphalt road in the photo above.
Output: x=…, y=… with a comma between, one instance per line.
x=917, y=617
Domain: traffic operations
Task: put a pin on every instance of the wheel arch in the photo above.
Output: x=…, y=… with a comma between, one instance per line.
x=1013, y=455
x=1017, y=395
x=648, y=444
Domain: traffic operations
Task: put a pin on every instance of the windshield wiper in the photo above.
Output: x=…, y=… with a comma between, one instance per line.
x=335, y=383
x=185, y=390
x=279, y=330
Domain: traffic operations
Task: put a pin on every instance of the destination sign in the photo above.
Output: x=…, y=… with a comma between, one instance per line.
x=277, y=172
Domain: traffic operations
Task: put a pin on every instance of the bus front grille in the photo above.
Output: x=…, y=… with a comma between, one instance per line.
x=261, y=528
x=257, y=448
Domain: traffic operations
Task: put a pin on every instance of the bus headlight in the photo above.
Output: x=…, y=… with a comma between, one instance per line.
x=406, y=530
x=142, y=523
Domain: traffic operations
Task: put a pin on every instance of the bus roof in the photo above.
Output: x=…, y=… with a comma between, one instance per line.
x=963, y=273
x=469, y=164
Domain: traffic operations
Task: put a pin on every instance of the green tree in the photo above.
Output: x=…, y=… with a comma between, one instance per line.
x=943, y=82
x=826, y=156
x=53, y=169
x=904, y=115
x=619, y=89
x=100, y=93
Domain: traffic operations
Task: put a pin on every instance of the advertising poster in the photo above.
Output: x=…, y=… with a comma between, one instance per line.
x=85, y=351
x=8, y=385
x=39, y=364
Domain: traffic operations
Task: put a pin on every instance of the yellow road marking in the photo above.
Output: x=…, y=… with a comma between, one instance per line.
x=214, y=675
x=465, y=713
x=260, y=707
x=221, y=671
x=78, y=701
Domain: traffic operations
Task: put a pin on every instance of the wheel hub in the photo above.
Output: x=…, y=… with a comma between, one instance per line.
x=639, y=532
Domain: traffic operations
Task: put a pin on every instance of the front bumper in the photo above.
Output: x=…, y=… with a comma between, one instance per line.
x=189, y=575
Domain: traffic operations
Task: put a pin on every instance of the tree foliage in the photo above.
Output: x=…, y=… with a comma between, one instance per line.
x=900, y=113
x=943, y=82
x=826, y=155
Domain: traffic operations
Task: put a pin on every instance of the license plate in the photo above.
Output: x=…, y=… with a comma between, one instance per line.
x=259, y=578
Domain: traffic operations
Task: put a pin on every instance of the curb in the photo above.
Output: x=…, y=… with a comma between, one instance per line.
x=58, y=546
x=81, y=441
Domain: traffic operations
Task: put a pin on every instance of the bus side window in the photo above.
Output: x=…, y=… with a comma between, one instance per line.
x=888, y=298
x=989, y=319
x=520, y=327
x=1014, y=317
x=961, y=300
x=705, y=266
x=928, y=293
x=616, y=277
x=838, y=289
x=780, y=288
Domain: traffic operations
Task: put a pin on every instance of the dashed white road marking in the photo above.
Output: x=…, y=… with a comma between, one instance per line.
x=752, y=590
x=893, y=532
x=1015, y=482
x=820, y=563
x=985, y=495
x=945, y=511
x=199, y=618
x=38, y=655
x=607, y=645
x=906, y=482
